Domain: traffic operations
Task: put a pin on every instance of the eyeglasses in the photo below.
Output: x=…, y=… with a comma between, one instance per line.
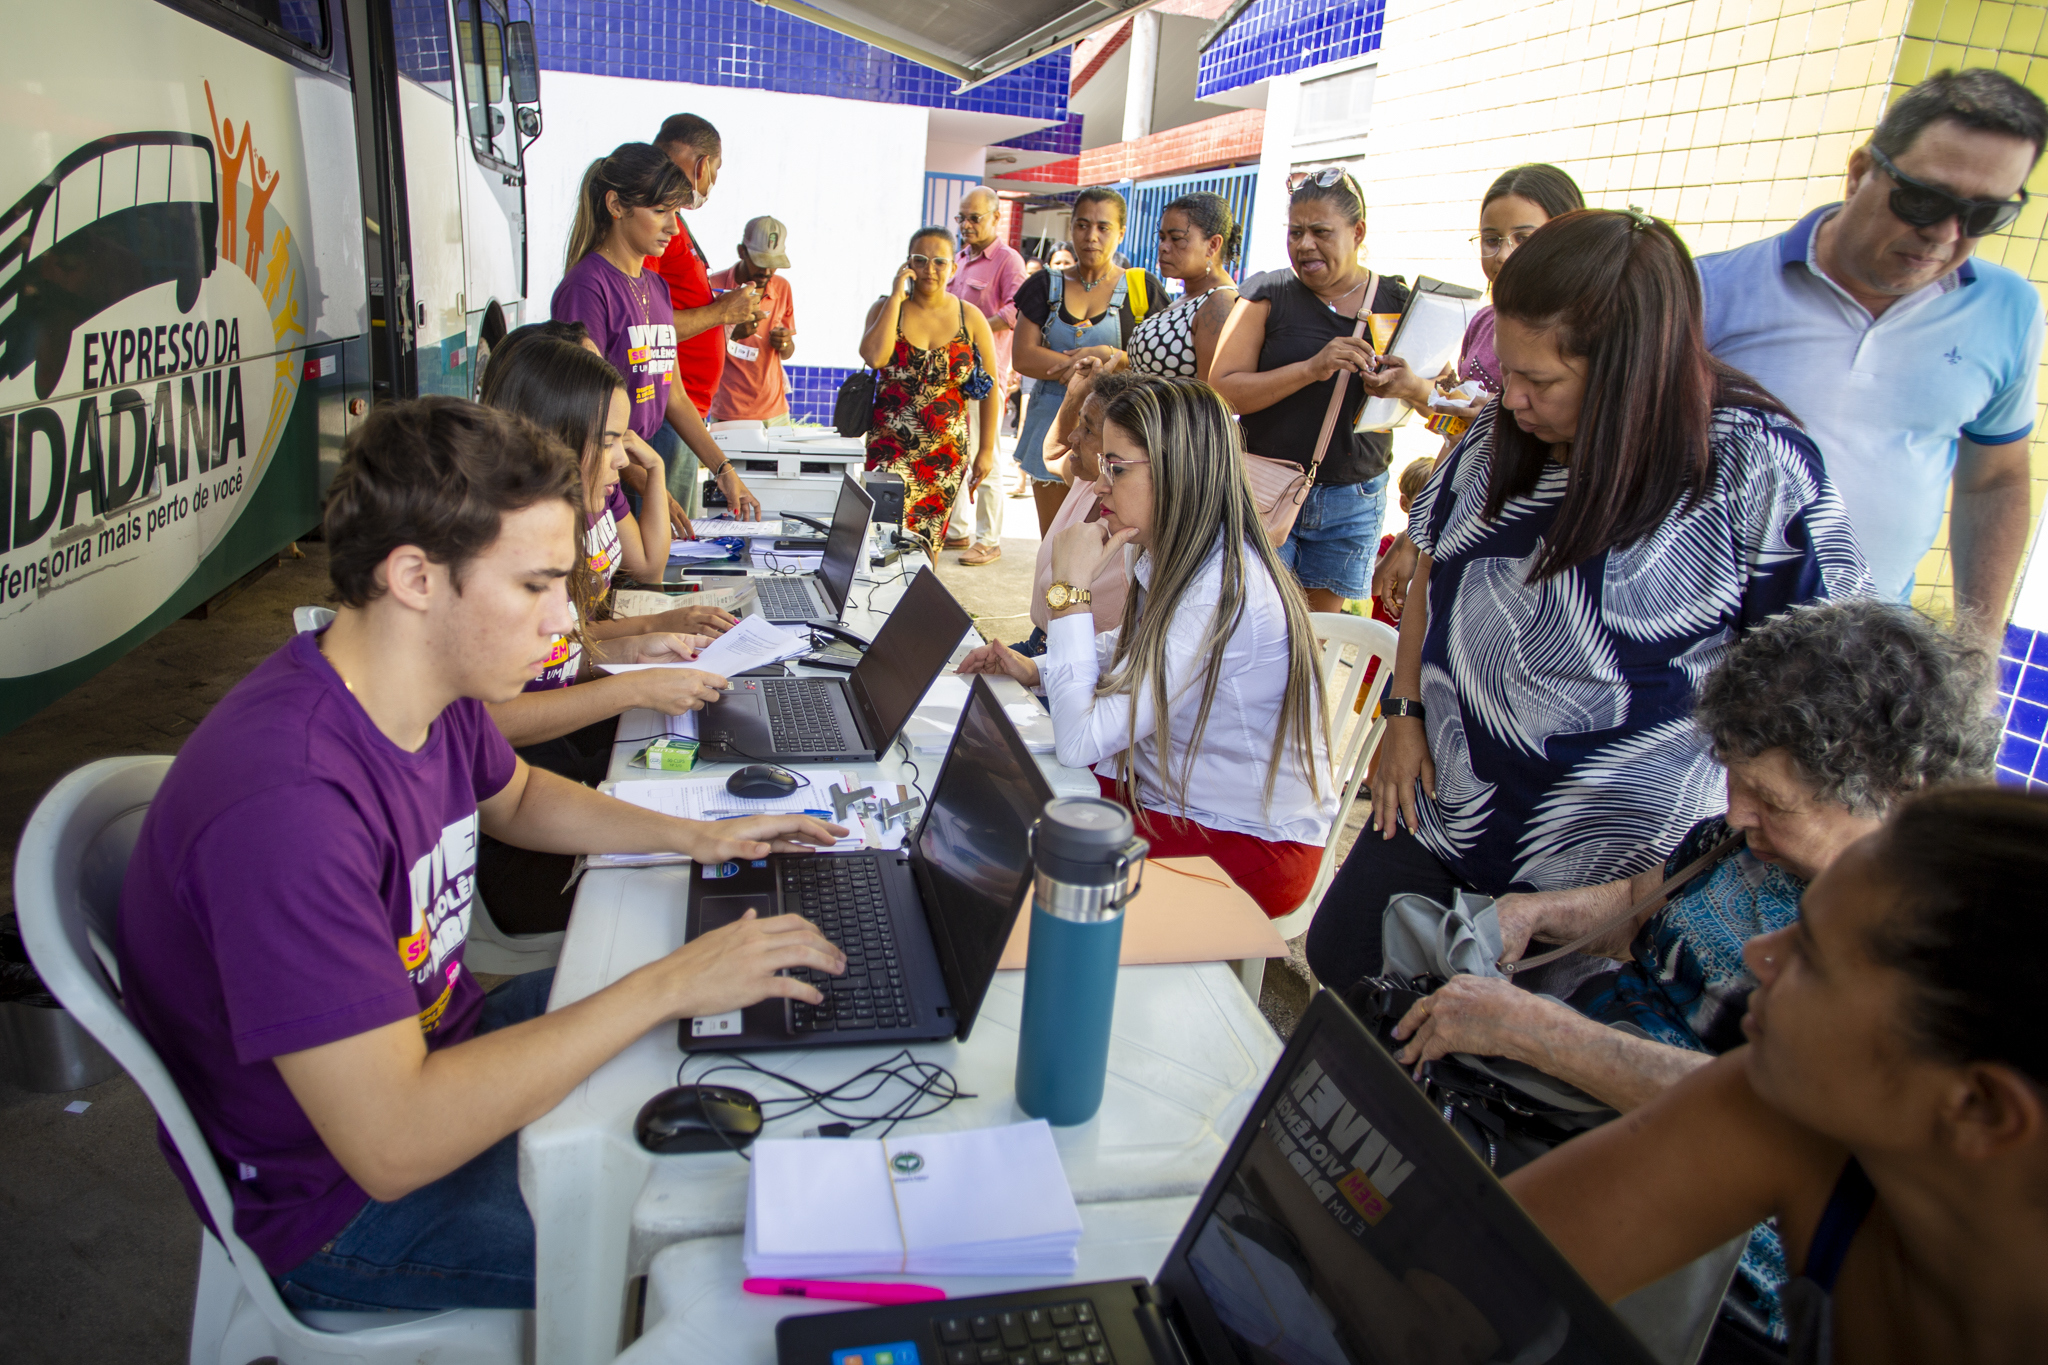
x=1112, y=470
x=965, y=218
x=1490, y=243
x=930, y=262
x=1924, y=205
x=1324, y=179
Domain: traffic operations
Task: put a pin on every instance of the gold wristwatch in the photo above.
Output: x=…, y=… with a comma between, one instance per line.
x=1060, y=596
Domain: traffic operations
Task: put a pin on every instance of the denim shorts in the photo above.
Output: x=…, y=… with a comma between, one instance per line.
x=465, y=1241
x=1336, y=537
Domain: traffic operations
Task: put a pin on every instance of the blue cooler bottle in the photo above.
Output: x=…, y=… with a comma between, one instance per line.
x=1088, y=864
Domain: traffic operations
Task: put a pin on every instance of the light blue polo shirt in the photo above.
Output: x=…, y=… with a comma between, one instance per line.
x=1884, y=398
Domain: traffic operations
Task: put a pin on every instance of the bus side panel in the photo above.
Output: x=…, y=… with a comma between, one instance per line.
x=433, y=168
x=179, y=224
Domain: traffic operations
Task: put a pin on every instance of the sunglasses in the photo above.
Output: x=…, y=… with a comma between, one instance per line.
x=1923, y=205
x=930, y=262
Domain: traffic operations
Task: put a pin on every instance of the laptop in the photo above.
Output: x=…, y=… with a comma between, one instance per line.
x=923, y=926
x=827, y=720
x=1347, y=1224
x=820, y=598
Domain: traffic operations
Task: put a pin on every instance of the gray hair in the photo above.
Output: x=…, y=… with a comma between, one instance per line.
x=1870, y=700
x=1978, y=97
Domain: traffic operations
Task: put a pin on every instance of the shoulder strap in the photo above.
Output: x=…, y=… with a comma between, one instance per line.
x=1711, y=858
x=1337, y=389
x=1055, y=287
x=1134, y=280
x=1848, y=1205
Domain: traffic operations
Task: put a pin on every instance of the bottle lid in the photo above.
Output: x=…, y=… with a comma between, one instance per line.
x=1084, y=840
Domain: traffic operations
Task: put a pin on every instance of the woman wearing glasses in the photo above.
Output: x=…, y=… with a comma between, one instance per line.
x=1203, y=709
x=925, y=346
x=1516, y=204
x=1091, y=308
x=1288, y=346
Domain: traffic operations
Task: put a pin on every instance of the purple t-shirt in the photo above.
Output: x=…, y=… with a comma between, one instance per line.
x=602, y=541
x=298, y=880
x=633, y=323
x=1477, y=358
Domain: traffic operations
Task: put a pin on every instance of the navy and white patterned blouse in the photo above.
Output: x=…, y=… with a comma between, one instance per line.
x=1560, y=712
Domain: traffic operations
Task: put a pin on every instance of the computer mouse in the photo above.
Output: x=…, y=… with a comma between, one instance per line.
x=760, y=780
x=699, y=1118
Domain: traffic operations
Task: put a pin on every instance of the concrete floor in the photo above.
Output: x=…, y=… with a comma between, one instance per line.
x=98, y=1247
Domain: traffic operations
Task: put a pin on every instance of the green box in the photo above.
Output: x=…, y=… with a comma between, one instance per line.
x=669, y=755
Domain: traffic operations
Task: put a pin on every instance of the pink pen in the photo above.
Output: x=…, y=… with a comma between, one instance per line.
x=853, y=1291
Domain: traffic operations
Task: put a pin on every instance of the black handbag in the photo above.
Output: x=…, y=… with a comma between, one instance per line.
x=853, y=411
x=1508, y=1112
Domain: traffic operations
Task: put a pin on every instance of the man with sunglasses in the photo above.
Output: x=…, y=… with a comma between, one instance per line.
x=988, y=276
x=1912, y=365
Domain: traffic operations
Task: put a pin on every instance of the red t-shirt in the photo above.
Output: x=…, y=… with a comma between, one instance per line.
x=700, y=360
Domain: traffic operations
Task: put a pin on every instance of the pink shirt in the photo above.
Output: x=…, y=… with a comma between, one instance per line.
x=1112, y=580
x=990, y=282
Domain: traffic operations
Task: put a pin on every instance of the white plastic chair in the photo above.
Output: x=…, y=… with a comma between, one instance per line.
x=490, y=949
x=67, y=896
x=1354, y=736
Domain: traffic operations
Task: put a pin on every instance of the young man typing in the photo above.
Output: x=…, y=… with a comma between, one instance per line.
x=293, y=919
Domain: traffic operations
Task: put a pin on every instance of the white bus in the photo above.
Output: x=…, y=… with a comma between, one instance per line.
x=232, y=226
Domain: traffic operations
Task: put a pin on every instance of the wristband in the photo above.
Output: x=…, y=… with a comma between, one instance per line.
x=1401, y=706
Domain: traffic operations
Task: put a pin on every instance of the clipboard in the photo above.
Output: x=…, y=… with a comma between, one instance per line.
x=1186, y=910
x=1427, y=337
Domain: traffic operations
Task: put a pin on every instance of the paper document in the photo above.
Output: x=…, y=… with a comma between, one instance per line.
x=705, y=798
x=721, y=527
x=981, y=1201
x=641, y=602
x=752, y=643
x=693, y=551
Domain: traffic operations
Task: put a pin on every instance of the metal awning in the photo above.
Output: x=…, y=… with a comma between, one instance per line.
x=971, y=40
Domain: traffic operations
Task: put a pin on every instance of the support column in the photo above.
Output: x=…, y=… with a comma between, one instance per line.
x=1144, y=79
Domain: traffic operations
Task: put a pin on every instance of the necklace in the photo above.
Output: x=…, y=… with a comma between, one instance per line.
x=1087, y=284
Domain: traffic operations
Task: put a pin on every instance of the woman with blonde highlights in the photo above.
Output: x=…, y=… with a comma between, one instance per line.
x=1202, y=710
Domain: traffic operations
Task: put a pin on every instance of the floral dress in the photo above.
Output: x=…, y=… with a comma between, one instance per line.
x=920, y=429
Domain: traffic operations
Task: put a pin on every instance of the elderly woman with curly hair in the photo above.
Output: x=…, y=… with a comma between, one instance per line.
x=1825, y=717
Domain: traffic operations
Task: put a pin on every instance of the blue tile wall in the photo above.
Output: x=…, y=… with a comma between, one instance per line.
x=1063, y=139
x=1275, y=37
x=421, y=28
x=812, y=391
x=738, y=43
x=2023, y=705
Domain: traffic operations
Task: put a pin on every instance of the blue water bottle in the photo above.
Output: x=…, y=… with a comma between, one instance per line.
x=1088, y=864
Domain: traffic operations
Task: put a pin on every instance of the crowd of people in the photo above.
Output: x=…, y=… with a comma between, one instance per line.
x=1650, y=607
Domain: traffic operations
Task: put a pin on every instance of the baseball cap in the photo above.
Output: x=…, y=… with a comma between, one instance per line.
x=763, y=240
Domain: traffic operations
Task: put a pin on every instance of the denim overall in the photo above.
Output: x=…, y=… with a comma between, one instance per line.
x=1063, y=336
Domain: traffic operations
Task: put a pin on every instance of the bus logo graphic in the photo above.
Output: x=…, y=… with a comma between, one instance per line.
x=120, y=215
x=907, y=1163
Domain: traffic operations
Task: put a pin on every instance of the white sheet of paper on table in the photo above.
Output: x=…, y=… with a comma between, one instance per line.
x=692, y=551
x=721, y=527
x=753, y=643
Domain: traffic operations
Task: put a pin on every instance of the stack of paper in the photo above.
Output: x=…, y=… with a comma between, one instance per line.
x=930, y=729
x=983, y=1201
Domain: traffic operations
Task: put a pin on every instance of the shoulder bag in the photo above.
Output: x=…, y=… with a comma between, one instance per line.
x=853, y=411
x=1280, y=487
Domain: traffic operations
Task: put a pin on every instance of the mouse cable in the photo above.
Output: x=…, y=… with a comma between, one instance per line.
x=930, y=1088
x=916, y=773
x=879, y=584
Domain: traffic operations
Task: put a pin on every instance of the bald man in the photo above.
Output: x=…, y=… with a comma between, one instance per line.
x=989, y=274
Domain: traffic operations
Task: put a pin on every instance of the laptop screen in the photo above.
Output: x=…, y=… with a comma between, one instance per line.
x=971, y=850
x=1349, y=1223
x=908, y=652
x=843, y=544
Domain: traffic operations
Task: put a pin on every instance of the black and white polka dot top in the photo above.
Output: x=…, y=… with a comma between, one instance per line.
x=1164, y=343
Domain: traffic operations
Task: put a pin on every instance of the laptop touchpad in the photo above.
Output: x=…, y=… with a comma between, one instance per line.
x=718, y=911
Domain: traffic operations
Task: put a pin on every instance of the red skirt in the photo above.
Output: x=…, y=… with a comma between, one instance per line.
x=1275, y=874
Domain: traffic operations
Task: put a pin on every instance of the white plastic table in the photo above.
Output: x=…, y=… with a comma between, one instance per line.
x=1188, y=1052
x=697, y=1311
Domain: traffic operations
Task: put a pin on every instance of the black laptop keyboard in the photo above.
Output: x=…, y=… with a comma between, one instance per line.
x=843, y=897
x=785, y=599
x=801, y=717
x=1064, y=1334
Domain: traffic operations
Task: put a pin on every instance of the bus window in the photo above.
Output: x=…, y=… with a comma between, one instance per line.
x=304, y=22
x=481, y=34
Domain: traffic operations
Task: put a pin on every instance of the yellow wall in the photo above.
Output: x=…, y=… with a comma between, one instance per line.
x=1730, y=118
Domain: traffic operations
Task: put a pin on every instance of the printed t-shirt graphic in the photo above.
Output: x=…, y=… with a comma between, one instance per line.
x=300, y=879
x=602, y=543
x=634, y=325
x=700, y=359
